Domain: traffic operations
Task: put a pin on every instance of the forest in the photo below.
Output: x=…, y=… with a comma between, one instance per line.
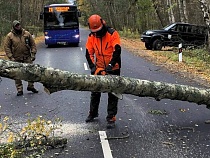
x=134, y=16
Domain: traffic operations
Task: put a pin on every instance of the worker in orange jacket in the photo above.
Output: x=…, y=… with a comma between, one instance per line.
x=103, y=51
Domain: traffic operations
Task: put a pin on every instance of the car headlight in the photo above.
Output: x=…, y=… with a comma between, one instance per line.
x=149, y=32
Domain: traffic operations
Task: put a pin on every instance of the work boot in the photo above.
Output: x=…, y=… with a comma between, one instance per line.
x=90, y=118
x=32, y=90
x=111, y=123
x=19, y=93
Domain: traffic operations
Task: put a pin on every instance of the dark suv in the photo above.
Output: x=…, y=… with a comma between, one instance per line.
x=172, y=35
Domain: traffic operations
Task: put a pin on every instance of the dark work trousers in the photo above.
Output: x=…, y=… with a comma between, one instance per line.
x=18, y=83
x=112, y=102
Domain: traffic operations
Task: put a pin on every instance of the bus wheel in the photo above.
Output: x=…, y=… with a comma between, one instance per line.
x=51, y=45
x=76, y=44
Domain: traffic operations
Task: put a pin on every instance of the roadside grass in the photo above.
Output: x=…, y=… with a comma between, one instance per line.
x=129, y=34
x=197, y=59
x=196, y=56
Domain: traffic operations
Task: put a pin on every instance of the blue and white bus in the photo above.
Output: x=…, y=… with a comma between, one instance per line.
x=61, y=24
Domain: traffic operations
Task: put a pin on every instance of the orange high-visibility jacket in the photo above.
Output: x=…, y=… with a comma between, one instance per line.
x=101, y=50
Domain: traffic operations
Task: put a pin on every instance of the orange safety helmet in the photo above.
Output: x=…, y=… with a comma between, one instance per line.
x=95, y=23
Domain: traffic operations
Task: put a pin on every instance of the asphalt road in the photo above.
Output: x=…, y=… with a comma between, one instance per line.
x=180, y=133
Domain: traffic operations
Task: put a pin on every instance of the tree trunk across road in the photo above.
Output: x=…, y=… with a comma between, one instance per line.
x=56, y=80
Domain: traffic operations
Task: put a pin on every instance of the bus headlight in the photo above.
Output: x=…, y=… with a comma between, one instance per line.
x=76, y=36
x=47, y=37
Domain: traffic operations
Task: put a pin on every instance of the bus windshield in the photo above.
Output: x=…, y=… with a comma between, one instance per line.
x=60, y=18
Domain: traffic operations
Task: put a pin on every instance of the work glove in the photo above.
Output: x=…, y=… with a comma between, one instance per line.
x=33, y=57
x=109, y=68
x=93, y=70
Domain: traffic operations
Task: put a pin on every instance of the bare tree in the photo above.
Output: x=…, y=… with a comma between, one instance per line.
x=206, y=11
x=185, y=10
x=170, y=12
x=156, y=6
x=180, y=6
x=20, y=8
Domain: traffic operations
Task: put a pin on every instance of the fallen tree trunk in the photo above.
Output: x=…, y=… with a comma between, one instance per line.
x=56, y=80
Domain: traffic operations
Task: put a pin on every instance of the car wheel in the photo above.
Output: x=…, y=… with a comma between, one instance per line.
x=148, y=46
x=157, y=44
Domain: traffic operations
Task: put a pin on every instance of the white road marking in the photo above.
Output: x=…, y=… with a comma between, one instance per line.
x=81, y=49
x=105, y=145
x=85, y=66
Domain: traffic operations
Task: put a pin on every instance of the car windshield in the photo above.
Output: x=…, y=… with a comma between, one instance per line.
x=168, y=27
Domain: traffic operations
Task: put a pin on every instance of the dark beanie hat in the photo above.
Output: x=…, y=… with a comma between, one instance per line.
x=15, y=22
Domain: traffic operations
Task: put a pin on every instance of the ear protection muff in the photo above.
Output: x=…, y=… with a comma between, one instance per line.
x=103, y=22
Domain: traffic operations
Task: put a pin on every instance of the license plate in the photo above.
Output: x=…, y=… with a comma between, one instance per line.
x=61, y=43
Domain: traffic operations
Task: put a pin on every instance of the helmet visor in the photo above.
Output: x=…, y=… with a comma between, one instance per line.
x=96, y=29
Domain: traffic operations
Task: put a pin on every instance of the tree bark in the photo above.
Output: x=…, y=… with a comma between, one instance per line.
x=56, y=80
x=206, y=11
x=157, y=10
x=185, y=10
x=180, y=6
x=170, y=12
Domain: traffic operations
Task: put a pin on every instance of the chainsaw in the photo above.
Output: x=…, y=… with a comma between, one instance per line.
x=101, y=71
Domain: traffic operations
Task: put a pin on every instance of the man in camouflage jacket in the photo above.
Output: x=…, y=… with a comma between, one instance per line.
x=20, y=46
